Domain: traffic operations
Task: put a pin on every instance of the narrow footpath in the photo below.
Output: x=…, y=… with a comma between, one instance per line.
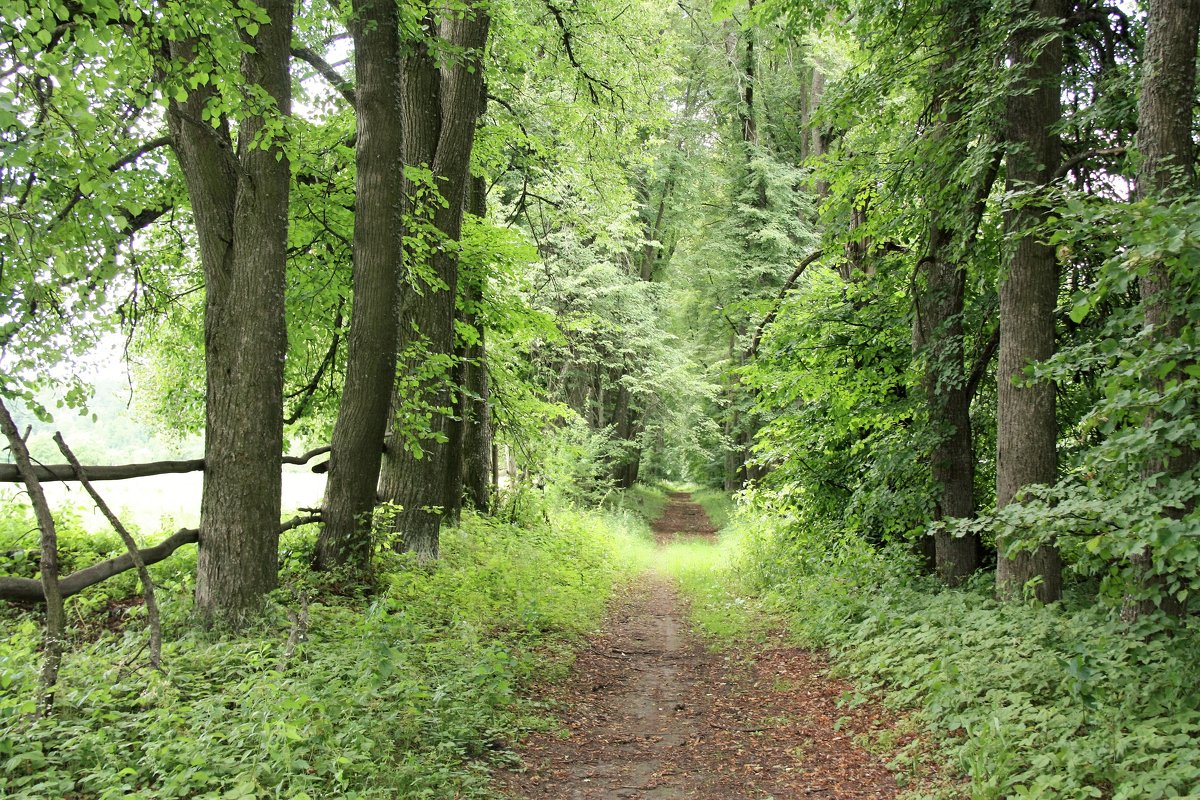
x=650, y=712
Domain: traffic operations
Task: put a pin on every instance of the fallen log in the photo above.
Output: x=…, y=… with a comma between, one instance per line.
x=28, y=590
x=119, y=472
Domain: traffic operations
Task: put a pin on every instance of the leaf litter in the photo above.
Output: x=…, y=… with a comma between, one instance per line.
x=650, y=712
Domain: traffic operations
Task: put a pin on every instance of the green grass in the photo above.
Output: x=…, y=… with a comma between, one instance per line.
x=410, y=693
x=646, y=501
x=649, y=500
x=721, y=606
x=717, y=503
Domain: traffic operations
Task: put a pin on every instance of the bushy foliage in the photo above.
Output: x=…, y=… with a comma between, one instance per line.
x=1029, y=701
x=834, y=378
x=410, y=693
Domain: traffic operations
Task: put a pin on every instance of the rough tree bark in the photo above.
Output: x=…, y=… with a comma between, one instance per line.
x=358, y=434
x=477, y=413
x=1167, y=172
x=938, y=328
x=239, y=199
x=1026, y=428
x=440, y=106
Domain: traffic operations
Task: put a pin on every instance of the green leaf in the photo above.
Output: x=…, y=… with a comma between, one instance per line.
x=1080, y=309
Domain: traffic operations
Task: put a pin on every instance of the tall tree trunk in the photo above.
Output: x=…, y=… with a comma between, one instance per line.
x=239, y=199
x=440, y=107
x=735, y=457
x=1026, y=427
x=952, y=461
x=358, y=433
x=740, y=428
x=938, y=328
x=477, y=442
x=1167, y=172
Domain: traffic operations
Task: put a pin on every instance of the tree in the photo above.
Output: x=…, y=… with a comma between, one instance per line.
x=238, y=190
x=1167, y=172
x=475, y=395
x=358, y=434
x=441, y=99
x=1027, y=430
x=955, y=211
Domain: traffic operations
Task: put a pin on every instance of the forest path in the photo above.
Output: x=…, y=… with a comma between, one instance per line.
x=682, y=517
x=650, y=712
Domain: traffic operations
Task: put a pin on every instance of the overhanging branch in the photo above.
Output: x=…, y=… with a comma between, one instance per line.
x=774, y=312
x=334, y=78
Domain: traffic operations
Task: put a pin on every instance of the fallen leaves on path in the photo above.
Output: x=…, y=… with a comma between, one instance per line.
x=649, y=712
x=681, y=517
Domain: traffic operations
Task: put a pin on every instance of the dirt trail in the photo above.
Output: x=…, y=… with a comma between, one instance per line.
x=680, y=518
x=651, y=713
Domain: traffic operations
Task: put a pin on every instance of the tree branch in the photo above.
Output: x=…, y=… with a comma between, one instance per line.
x=310, y=389
x=787, y=287
x=50, y=588
x=152, y=617
x=981, y=363
x=1079, y=158
x=343, y=87
x=568, y=39
x=30, y=591
x=134, y=155
x=143, y=219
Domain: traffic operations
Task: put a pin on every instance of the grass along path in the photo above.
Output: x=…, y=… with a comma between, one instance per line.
x=651, y=711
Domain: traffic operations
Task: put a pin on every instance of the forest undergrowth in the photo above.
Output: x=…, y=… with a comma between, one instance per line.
x=413, y=689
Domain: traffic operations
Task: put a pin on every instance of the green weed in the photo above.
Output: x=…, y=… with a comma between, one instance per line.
x=721, y=608
x=1063, y=701
x=412, y=693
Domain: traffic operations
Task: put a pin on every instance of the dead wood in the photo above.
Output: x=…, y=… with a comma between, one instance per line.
x=48, y=587
x=152, y=617
x=30, y=591
x=119, y=472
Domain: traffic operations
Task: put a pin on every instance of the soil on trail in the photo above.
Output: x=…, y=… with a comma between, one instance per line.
x=649, y=712
x=681, y=518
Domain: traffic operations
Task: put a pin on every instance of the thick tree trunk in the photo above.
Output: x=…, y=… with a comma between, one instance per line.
x=938, y=328
x=1167, y=171
x=440, y=109
x=240, y=207
x=1026, y=427
x=358, y=433
x=952, y=461
x=477, y=440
